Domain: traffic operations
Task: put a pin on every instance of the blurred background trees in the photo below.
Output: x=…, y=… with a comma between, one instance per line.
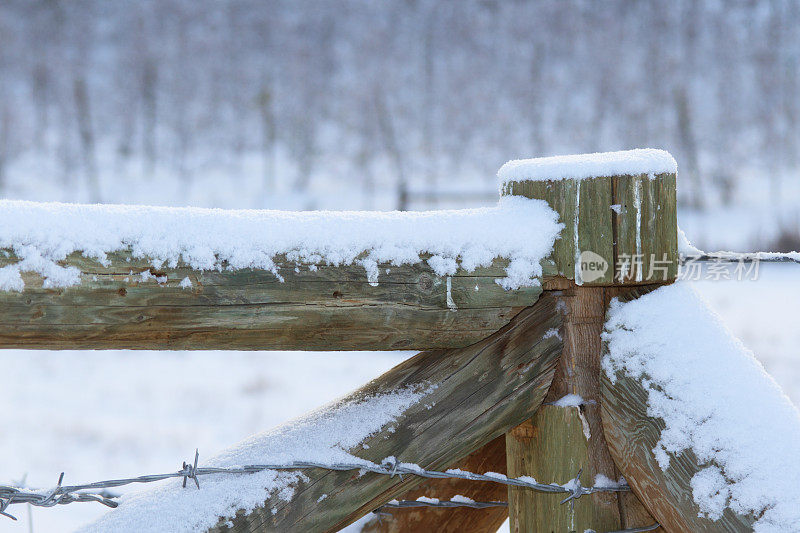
x=363, y=104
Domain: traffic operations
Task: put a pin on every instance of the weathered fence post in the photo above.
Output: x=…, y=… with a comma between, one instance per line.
x=619, y=231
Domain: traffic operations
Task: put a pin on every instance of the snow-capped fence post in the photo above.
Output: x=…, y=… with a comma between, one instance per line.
x=620, y=234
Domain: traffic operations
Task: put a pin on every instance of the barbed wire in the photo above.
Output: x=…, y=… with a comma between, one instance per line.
x=87, y=492
x=445, y=504
x=432, y=502
x=740, y=257
x=639, y=529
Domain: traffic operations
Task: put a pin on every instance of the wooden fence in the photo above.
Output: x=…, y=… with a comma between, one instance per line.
x=492, y=352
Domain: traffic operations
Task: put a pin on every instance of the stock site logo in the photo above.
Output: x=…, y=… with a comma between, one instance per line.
x=592, y=266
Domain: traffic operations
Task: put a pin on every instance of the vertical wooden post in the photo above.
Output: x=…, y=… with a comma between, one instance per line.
x=619, y=231
x=560, y=441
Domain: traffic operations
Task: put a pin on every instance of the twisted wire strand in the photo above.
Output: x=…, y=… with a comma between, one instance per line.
x=88, y=492
x=744, y=257
x=405, y=504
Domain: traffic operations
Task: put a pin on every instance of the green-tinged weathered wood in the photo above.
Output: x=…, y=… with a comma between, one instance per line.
x=480, y=392
x=553, y=447
x=560, y=441
x=646, y=228
x=490, y=458
x=629, y=221
x=632, y=435
x=324, y=308
x=633, y=512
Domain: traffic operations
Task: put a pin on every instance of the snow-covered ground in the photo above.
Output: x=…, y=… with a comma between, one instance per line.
x=106, y=414
x=97, y=415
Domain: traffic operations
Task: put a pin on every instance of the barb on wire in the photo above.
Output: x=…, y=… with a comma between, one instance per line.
x=87, y=492
x=576, y=492
x=191, y=470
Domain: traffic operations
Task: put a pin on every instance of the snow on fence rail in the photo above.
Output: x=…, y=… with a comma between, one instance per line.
x=507, y=302
x=148, y=277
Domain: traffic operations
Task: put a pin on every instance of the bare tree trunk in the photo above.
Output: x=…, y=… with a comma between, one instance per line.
x=40, y=93
x=689, y=148
x=86, y=135
x=429, y=49
x=777, y=77
x=5, y=137
x=178, y=94
x=367, y=179
x=534, y=102
x=149, y=80
x=268, y=137
x=790, y=86
x=387, y=132
x=306, y=157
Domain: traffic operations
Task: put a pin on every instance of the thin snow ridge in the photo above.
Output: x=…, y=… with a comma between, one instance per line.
x=580, y=166
x=42, y=234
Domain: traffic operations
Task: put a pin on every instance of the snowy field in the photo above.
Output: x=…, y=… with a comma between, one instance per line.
x=97, y=415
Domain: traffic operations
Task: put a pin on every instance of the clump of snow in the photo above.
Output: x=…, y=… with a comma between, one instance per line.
x=685, y=247
x=458, y=498
x=716, y=400
x=626, y=162
x=41, y=234
x=605, y=482
x=186, y=283
x=147, y=276
x=569, y=400
x=411, y=466
x=10, y=278
x=425, y=499
x=323, y=436
x=552, y=332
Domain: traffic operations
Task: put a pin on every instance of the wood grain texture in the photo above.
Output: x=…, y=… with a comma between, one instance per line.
x=633, y=512
x=615, y=217
x=490, y=458
x=559, y=441
x=646, y=226
x=324, y=308
x=481, y=391
x=631, y=436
